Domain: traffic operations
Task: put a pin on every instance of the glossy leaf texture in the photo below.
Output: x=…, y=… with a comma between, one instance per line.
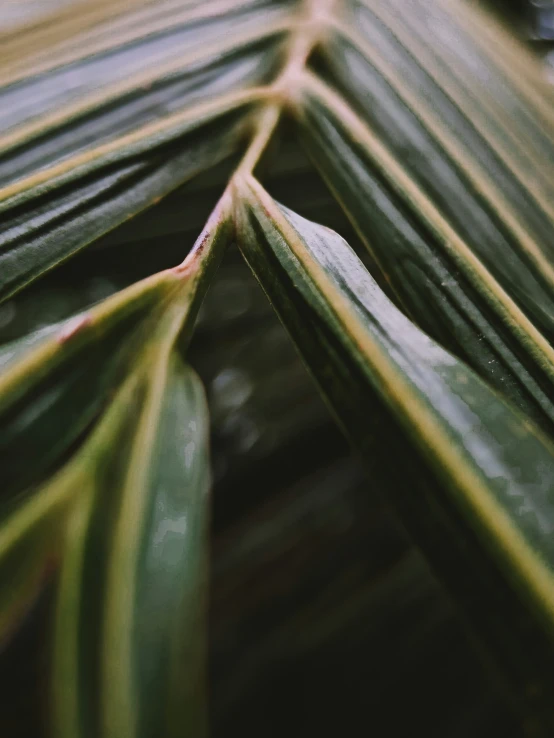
x=427, y=145
x=471, y=476
x=434, y=131
x=61, y=215
x=129, y=630
x=100, y=125
x=57, y=386
x=427, y=263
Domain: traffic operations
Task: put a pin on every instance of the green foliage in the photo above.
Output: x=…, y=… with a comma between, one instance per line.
x=438, y=145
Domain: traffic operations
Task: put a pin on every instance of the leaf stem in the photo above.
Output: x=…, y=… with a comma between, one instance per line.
x=310, y=27
x=265, y=125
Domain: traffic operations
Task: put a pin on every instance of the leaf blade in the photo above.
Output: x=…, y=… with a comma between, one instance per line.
x=467, y=435
x=471, y=315
x=140, y=638
x=54, y=389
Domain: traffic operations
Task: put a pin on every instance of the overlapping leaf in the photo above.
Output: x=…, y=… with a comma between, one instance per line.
x=129, y=644
x=55, y=387
x=91, y=139
x=438, y=146
x=447, y=447
x=427, y=263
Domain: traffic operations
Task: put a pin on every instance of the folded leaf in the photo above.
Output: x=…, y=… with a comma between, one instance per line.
x=118, y=43
x=496, y=193
x=435, y=133
x=54, y=386
x=99, y=125
x=129, y=631
x=105, y=400
x=427, y=264
x=470, y=475
x=52, y=214
x=154, y=94
x=479, y=120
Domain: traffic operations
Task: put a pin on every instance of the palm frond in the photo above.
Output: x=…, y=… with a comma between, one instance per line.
x=433, y=129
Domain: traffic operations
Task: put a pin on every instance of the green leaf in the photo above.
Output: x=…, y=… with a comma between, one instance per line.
x=54, y=386
x=129, y=630
x=428, y=264
x=30, y=549
x=33, y=139
x=434, y=131
x=52, y=214
x=472, y=47
x=457, y=153
x=51, y=392
x=473, y=114
x=450, y=450
x=116, y=43
x=117, y=116
x=106, y=400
